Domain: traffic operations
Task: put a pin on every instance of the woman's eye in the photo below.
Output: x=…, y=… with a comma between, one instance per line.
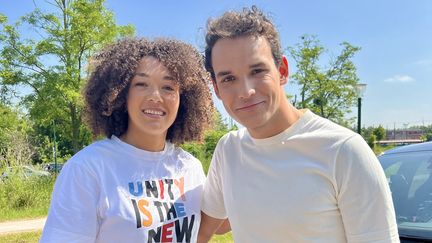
x=169, y=88
x=227, y=79
x=140, y=84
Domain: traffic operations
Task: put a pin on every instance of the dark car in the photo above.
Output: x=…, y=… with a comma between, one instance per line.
x=409, y=172
x=53, y=167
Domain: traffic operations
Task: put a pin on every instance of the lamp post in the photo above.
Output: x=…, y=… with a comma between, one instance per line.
x=360, y=91
x=54, y=148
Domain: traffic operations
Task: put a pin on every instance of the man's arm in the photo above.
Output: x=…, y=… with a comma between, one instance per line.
x=208, y=227
x=224, y=228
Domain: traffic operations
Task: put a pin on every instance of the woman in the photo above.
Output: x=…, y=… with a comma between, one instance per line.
x=136, y=185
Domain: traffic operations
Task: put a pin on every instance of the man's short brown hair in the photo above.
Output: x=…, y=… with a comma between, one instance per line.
x=249, y=22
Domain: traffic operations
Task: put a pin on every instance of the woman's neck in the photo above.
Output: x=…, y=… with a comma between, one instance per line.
x=144, y=141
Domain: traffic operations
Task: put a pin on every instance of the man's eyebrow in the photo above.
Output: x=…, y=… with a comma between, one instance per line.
x=260, y=64
x=222, y=73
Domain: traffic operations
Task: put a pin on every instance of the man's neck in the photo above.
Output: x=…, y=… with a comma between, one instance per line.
x=284, y=118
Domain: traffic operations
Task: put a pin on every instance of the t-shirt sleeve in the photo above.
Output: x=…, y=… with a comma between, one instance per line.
x=213, y=203
x=364, y=196
x=72, y=215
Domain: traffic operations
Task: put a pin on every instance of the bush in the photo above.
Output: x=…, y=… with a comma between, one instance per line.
x=25, y=197
x=371, y=141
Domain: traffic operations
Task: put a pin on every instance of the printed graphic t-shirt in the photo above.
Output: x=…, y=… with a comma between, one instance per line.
x=113, y=192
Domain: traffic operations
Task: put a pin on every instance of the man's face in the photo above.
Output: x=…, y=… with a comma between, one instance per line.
x=249, y=83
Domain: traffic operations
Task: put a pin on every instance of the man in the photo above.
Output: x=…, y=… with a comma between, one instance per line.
x=289, y=175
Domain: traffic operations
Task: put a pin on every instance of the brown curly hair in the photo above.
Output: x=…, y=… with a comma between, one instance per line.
x=249, y=22
x=113, y=69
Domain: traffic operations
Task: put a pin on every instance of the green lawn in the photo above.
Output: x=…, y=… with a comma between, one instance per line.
x=30, y=237
x=27, y=237
x=25, y=198
x=222, y=238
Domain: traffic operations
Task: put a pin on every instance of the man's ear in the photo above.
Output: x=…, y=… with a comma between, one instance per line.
x=283, y=70
x=215, y=88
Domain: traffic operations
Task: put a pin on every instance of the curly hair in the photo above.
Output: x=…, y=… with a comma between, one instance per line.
x=112, y=70
x=249, y=22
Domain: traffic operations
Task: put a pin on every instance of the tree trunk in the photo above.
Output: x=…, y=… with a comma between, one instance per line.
x=75, y=123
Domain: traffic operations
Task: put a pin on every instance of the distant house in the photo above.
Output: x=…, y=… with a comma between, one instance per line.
x=404, y=134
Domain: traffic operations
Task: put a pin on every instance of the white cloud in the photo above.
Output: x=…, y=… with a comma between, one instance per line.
x=400, y=79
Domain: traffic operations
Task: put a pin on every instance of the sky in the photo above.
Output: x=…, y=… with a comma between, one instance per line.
x=395, y=36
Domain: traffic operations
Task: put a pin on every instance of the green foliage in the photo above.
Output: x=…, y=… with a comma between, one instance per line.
x=25, y=197
x=328, y=91
x=371, y=141
x=379, y=133
x=54, y=65
x=427, y=137
x=204, y=151
x=211, y=139
x=196, y=149
x=15, y=145
x=9, y=120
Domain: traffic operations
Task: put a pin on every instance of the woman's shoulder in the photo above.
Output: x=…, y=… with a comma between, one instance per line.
x=95, y=151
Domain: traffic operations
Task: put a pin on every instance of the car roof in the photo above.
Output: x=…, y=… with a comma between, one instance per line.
x=426, y=146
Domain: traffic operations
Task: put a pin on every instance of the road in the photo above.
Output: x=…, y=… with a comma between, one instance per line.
x=9, y=227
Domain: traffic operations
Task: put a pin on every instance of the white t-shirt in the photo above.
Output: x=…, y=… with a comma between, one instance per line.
x=314, y=182
x=113, y=192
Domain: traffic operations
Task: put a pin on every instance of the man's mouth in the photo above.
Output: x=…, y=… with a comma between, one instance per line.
x=249, y=106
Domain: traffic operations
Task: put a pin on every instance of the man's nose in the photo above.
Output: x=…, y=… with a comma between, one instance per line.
x=247, y=88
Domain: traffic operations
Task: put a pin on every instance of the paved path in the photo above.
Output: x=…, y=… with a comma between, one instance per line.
x=21, y=225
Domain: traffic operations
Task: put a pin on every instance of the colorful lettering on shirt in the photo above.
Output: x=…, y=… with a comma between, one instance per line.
x=160, y=203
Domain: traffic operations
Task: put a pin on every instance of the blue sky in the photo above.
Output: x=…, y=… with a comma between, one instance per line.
x=395, y=36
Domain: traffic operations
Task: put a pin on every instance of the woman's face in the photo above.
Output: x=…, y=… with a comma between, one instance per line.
x=153, y=99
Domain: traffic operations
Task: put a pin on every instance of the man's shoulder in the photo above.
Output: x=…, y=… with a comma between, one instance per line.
x=328, y=128
x=233, y=136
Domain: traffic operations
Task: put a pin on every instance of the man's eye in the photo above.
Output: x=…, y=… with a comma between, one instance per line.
x=256, y=71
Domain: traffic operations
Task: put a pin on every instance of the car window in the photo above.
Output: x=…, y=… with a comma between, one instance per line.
x=410, y=178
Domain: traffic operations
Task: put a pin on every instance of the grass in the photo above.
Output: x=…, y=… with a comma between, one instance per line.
x=34, y=236
x=27, y=237
x=25, y=198
x=226, y=238
x=380, y=149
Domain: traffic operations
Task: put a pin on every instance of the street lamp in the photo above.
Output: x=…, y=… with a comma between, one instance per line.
x=360, y=91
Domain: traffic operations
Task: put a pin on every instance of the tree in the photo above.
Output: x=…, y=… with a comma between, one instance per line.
x=330, y=91
x=379, y=133
x=371, y=141
x=204, y=151
x=53, y=64
x=427, y=137
x=15, y=147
